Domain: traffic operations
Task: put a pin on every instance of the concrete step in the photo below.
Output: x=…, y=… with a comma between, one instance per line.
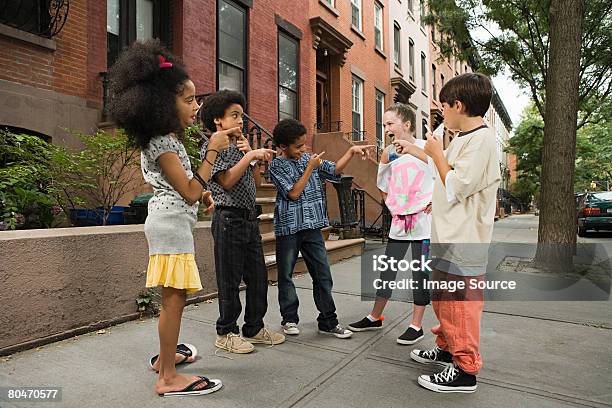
x=268, y=240
x=337, y=251
x=266, y=190
x=267, y=204
x=266, y=223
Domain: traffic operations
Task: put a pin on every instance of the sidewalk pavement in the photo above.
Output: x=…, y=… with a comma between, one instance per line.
x=536, y=354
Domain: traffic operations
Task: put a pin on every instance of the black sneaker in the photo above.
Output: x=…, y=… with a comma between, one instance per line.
x=338, y=331
x=410, y=336
x=365, y=324
x=452, y=379
x=434, y=356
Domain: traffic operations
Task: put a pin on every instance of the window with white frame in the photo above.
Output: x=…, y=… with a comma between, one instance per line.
x=411, y=58
x=378, y=26
x=128, y=21
x=287, y=76
x=434, y=82
x=331, y=2
x=357, y=108
x=356, y=14
x=397, y=47
x=411, y=6
x=423, y=73
x=231, y=49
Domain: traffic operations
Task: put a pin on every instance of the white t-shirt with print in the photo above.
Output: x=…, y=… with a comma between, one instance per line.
x=408, y=182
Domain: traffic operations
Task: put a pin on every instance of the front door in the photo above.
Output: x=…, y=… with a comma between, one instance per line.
x=323, y=116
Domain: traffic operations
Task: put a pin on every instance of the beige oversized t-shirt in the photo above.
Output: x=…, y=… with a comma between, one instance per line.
x=463, y=212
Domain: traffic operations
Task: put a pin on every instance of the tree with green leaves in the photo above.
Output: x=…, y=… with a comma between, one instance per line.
x=24, y=180
x=560, y=51
x=593, y=153
x=98, y=175
x=526, y=145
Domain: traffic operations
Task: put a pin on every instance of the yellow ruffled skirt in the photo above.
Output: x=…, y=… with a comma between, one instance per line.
x=178, y=271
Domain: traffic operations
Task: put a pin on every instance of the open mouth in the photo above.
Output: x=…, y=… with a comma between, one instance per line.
x=390, y=135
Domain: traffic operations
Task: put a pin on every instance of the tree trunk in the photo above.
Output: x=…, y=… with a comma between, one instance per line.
x=557, y=227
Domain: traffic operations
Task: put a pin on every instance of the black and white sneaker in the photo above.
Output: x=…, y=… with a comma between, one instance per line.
x=410, y=336
x=434, y=356
x=452, y=379
x=366, y=324
x=338, y=331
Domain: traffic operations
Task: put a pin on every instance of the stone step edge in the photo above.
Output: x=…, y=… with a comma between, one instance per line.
x=329, y=246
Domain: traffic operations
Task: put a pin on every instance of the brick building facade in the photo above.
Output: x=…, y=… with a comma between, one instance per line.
x=333, y=64
x=351, y=58
x=51, y=83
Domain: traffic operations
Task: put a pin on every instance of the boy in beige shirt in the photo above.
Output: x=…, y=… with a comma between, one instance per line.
x=463, y=208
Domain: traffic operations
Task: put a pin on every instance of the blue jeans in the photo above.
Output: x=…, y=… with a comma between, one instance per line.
x=312, y=246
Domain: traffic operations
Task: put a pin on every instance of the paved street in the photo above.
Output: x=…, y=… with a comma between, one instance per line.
x=536, y=354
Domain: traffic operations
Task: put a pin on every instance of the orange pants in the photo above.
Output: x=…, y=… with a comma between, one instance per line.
x=459, y=314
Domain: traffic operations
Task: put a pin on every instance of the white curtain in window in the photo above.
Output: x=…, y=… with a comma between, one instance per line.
x=112, y=16
x=144, y=19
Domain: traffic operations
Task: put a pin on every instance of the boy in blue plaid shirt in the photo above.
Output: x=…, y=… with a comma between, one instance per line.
x=298, y=218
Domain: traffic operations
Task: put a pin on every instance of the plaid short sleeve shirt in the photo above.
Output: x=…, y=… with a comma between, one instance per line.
x=242, y=194
x=309, y=210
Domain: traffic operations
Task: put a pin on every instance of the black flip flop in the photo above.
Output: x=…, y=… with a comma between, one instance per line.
x=186, y=349
x=211, y=386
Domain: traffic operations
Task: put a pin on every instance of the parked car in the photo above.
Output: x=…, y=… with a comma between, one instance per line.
x=595, y=212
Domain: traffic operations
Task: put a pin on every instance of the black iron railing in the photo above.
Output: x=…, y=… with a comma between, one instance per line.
x=359, y=198
x=356, y=136
x=327, y=127
x=44, y=18
x=385, y=219
x=379, y=151
x=259, y=137
x=346, y=202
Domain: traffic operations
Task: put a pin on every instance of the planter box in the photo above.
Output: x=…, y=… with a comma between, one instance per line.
x=84, y=217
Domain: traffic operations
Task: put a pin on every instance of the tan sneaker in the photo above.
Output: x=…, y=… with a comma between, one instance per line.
x=234, y=344
x=266, y=336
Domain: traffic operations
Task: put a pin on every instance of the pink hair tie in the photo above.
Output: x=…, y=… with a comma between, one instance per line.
x=163, y=63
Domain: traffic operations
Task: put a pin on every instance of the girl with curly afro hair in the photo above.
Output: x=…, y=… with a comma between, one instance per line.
x=154, y=100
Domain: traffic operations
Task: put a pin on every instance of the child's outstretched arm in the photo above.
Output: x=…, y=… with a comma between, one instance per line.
x=191, y=190
x=363, y=150
x=405, y=147
x=244, y=146
x=228, y=178
x=314, y=162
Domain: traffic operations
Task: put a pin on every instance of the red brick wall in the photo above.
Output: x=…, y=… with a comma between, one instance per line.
x=195, y=35
x=263, y=61
x=512, y=167
x=363, y=55
x=194, y=38
x=25, y=63
x=96, y=55
x=71, y=69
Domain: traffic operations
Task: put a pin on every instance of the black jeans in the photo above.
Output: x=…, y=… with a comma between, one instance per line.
x=312, y=246
x=239, y=255
x=397, y=249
